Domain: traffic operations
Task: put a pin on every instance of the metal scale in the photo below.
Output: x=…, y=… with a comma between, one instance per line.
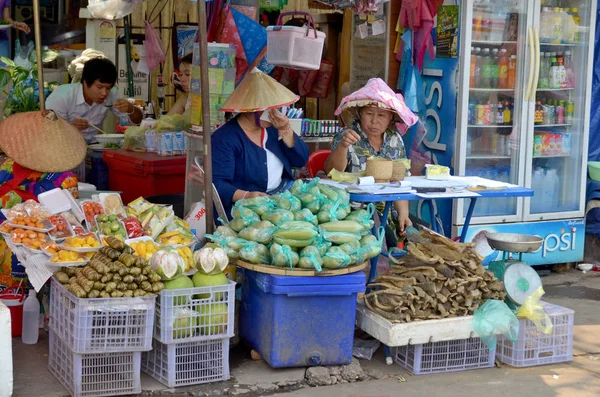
x=520, y=280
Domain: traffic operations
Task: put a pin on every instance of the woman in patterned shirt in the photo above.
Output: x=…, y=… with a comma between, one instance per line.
x=373, y=132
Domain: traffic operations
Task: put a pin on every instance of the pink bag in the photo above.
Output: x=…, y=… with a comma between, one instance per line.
x=155, y=52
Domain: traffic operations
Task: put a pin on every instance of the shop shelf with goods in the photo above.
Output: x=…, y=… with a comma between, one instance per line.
x=447, y=356
x=537, y=56
x=94, y=374
x=283, y=317
x=534, y=347
x=195, y=314
x=101, y=325
x=188, y=363
x=144, y=174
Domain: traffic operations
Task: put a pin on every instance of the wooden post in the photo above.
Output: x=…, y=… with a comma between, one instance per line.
x=38, y=52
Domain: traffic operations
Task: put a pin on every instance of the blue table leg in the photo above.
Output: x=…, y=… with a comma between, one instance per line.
x=434, y=225
x=384, y=216
x=463, y=235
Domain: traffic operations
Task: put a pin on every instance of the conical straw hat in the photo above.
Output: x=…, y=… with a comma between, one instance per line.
x=258, y=92
x=42, y=142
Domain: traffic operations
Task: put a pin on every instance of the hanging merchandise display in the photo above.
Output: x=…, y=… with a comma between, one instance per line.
x=295, y=47
x=419, y=16
x=155, y=51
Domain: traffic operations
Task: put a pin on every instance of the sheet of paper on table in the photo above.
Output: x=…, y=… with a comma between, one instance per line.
x=463, y=194
x=477, y=182
x=39, y=270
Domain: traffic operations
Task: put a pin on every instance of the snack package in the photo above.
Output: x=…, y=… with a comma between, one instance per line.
x=112, y=204
x=133, y=227
x=138, y=207
x=156, y=219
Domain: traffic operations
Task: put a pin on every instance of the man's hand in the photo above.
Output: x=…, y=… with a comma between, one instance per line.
x=80, y=124
x=349, y=138
x=123, y=106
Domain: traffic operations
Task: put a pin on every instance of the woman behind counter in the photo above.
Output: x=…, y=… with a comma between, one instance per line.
x=252, y=157
x=373, y=132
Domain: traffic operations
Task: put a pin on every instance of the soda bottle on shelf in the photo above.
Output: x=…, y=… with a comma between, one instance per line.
x=554, y=74
x=539, y=113
x=562, y=73
x=478, y=66
x=569, y=112
x=487, y=119
x=480, y=114
x=503, y=69
x=560, y=114
x=507, y=120
x=570, y=76
x=499, y=114
x=543, y=81
x=512, y=72
x=494, y=69
x=486, y=69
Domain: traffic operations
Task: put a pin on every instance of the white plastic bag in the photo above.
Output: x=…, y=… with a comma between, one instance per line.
x=111, y=9
x=197, y=220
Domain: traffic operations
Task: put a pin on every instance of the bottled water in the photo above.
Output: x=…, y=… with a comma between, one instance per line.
x=31, y=319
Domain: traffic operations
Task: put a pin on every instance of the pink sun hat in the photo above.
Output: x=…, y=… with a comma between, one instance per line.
x=377, y=93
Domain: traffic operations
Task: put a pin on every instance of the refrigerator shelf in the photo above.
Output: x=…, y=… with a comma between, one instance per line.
x=553, y=156
x=551, y=125
x=492, y=89
x=559, y=44
x=487, y=157
x=554, y=89
x=489, y=126
x=491, y=42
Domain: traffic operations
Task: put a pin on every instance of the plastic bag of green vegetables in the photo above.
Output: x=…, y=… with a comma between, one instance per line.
x=310, y=258
x=278, y=216
x=242, y=217
x=340, y=237
x=352, y=248
x=135, y=139
x=283, y=256
x=287, y=201
x=309, y=194
x=255, y=253
x=370, y=246
x=300, y=187
x=333, y=211
x=321, y=244
x=172, y=123
x=231, y=244
x=260, y=204
x=333, y=193
x=261, y=232
x=363, y=216
x=335, y=258
x=295, y=234
x=307, y=216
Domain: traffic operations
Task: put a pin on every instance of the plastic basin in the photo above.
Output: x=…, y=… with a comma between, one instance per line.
x=594, y=170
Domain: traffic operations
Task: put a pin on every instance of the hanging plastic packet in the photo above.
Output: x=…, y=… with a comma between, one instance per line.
x=493, y=318
x=533, y=310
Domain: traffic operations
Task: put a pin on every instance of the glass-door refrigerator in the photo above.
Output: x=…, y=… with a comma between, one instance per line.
x=523, y=117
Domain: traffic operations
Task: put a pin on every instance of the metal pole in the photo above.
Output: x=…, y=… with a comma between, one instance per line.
x=128, y=56
x=38, y=52
x=206, y=129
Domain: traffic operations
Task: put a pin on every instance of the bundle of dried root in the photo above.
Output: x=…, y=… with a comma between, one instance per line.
x=438, y=278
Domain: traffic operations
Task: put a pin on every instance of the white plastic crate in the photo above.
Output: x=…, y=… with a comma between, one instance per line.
x=188, y=363
x=103, y=324
x=534, y=347
x=95, y=374
x=194, y=314
x=295, y=47
x=447, y=356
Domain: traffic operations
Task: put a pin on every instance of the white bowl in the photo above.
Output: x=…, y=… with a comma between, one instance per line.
x=105, y=138
x=585, y=267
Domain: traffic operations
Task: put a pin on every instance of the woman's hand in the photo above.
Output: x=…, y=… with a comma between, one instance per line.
x=254, y=194
x=22, y=26
x=279, y=120
x=403, y=222
x=349, y=138
x=123, y=106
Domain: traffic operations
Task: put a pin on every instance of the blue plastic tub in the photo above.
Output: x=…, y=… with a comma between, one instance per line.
x=300, y=321
x=96, y=170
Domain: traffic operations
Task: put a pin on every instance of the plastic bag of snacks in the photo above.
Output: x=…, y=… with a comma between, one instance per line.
x=133, y=227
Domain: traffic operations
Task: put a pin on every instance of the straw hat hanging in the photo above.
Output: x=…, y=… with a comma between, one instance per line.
x=42, y=141
x=258, y=92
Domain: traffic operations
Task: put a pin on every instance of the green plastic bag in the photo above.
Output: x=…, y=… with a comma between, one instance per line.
x=278, y=216
x=333, y=211
x=336, y=258
x=260, y=205
x=242, y=217
x=363, y=216
x=493, y=318
x=260, y=232
x=255, y=253
x=283, y=256
x=310, y=258
x=307, y=216
x=287, y=201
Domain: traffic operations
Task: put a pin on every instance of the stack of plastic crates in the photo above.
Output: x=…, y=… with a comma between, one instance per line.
x=533, y=347
x=96, y=344
x=447, y=356
x=191, y=336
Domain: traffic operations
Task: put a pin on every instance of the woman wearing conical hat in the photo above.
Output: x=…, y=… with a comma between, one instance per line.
x=252, y=157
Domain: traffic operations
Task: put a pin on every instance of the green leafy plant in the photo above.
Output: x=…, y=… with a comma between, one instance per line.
x=23, y=95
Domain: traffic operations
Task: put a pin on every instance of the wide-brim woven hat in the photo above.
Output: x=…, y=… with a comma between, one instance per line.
x=377, y=93
x=42, y=141
x=258, y=92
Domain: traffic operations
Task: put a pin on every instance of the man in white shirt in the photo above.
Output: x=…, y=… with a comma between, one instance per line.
x=86, y=103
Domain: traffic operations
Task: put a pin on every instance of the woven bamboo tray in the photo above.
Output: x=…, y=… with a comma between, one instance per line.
x=280, y=271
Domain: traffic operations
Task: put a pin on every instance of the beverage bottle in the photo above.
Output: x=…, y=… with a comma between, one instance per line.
x=576, y=21
x=512, y=72
x=503, y=69
x=485, y=68
x=539, y=113
x=487, y=114
x=543, y=81
x=477, y=21
x=562, y=73
x=554, y=74
x=478, y=66
x=560, y=114
x=507, y=114
x=494, y=69
x=473, y=67
x=499, y=114
x=536, y=185
x=31, y=319
x=570, y=76
x=569, y=112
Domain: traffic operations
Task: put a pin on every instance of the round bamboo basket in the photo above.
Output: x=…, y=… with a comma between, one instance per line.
x=398, y=171
x=380, y=169
x=282, y=271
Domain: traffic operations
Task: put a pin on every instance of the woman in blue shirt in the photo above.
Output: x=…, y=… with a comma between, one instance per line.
x=252, y=157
